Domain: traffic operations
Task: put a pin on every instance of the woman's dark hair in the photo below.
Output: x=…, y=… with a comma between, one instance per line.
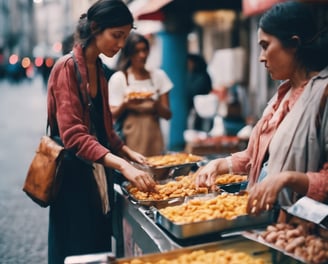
x=101, y=15
x=199, y=62
x=67, y=44
x=288, y=19
x=129, y=49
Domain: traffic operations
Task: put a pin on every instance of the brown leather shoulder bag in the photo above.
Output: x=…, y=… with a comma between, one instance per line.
x=42, y=181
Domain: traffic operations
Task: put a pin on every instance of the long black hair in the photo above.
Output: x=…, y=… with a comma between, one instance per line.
x=129, y=49
x=288, y=19
x=198, y=61
x=101, y=15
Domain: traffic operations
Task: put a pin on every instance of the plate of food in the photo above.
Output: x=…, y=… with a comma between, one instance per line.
x=139, y=95
x=166, y=192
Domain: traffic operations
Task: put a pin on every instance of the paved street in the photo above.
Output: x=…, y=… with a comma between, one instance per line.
x=23, y=225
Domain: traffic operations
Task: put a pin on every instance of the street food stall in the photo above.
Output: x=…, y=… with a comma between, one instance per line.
x=181, y=222
x=220, y=145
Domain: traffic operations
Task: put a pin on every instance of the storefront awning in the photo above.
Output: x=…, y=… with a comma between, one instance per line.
x=153, y=9
x=255, y=7
x=150, y=10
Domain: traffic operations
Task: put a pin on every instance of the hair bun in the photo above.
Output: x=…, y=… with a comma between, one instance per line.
x=84, y=15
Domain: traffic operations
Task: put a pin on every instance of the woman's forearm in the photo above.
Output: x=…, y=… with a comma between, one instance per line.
x=117, y=110
x=163, y=111
x=296, y=181
x=162, y=107
x=112, y=161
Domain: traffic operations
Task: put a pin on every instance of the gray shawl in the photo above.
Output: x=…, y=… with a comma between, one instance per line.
x=296, y=145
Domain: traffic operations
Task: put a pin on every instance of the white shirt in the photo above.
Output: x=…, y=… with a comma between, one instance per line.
x=158, y=84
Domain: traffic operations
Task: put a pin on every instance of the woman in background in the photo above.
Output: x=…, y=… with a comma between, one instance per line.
x=198, y=82
x=140, y=97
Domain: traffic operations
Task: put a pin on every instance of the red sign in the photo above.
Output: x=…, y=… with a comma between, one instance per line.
x=152, y=10
x=157, y=15
x=255, y=7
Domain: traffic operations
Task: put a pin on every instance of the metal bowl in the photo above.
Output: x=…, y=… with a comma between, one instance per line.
x=166, y=172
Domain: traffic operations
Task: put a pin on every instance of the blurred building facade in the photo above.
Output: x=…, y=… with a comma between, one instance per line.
x=37, y=28
x=17, y=33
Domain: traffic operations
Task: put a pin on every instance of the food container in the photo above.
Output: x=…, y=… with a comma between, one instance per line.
x=256, y=251
x=232, y=183
x=160, y=203
x=301, y=235
x=172, y=170
x=234, y=187
x=255, y=235
x=149, y=203
x=217, y=225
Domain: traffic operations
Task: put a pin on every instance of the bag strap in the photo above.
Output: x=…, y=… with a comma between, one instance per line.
x=322, y=106
x=48, y=128
x=94, y=117
x=126, y=77
x=320, y=122
x=79, y=82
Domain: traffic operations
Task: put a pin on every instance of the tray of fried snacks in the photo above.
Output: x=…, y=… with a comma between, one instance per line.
x=222, y=213
x=235, y=250
x=166, y=192
x=232, y=183
x=298, y=239
x=171, y=164
x=139, y=95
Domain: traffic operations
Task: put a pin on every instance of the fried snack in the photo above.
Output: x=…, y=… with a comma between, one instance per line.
x=226, y=206
x=203, y=257
x=180, y=187
x=172, y=159
x=139, y=95
x=230, y=178
x=297, y=240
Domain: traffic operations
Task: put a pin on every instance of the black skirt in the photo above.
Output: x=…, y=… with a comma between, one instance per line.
x=77, y=224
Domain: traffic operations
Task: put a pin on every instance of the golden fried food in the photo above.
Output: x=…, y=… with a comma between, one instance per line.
x=204, y=257
x=230, y=178
x=139, y=95
x=226, y=206
x=180, y=187
x=172, y=159
x=297, y=240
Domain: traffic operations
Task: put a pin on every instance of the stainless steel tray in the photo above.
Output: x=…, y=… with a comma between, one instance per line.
x=238, y=244
x=165, y=172
x=254, y=235
x=149, y=203
x=218, y=225
x=233, y=187
x=161, y=203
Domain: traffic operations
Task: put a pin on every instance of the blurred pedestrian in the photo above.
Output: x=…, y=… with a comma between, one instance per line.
x=67, y=44
x=198, y=83
x=45, y=69
x=81, y=217
x=141, y=97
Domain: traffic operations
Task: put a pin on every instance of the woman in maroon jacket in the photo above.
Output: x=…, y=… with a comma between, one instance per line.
x=78, y=113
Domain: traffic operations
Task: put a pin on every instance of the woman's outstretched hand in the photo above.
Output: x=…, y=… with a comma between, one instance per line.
x=141, y=179
x=263, y=195
x=206, y=175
